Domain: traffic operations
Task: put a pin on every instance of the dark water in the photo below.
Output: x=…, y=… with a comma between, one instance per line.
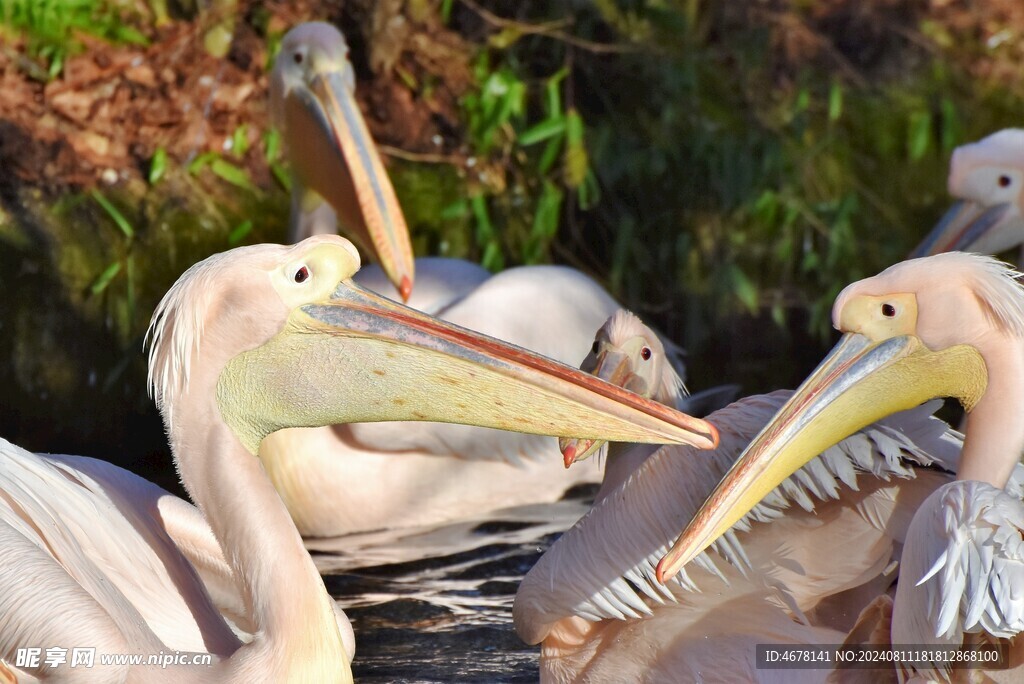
x=435, y=605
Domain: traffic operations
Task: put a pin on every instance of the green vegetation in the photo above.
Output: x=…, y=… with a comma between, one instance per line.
x=721, y=177
x=51, y=26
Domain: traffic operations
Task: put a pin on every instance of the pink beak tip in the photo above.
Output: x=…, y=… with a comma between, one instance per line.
x=405, y=288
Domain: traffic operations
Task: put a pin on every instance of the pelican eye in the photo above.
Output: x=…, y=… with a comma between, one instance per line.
x=645, y=353
x=301, y=275
x=298, y=57
x=1005, y=181
x=888, y=310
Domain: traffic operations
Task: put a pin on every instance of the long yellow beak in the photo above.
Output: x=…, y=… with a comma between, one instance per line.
x=334, y=156
x=360, y=357
x=859, y=382
x=971, y=227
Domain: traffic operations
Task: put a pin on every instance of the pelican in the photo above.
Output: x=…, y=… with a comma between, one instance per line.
x=245, y=343
x=988, y=179
x=336, y=170
x=592, y=600
x=552, y=310
x=950, y=325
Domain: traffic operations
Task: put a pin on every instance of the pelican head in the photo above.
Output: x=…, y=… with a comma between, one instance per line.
x=628, y=354
x=949, y=325
x=332, y=156
x=988, y=178
x=289, y=340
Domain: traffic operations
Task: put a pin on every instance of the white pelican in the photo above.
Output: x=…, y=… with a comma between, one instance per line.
x=336, y=170
x=552, y=310
x=950, y=325
x=592, y=600
x=987, y=177
x=247, y=342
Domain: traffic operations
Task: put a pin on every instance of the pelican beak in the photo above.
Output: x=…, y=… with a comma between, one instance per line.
x=334, y=155
x=615, y=368
x=971, y=227
x=410, y=366
x=860, y=381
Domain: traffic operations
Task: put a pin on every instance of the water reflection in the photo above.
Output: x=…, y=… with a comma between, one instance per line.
x=435, y=604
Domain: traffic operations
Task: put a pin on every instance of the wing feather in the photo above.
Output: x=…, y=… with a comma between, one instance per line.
x=632, y=525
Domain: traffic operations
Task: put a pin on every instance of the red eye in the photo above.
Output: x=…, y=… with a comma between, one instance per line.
x=1004, y=181
x=301, y=275
x=888, y=310
x=298, y=58
x=645, y=353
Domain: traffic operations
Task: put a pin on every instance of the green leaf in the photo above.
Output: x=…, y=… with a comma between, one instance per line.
x=232, y=174
x=493, y=259
x=407, y=78
x=238, y=234
x=550, y=155
x=56, y=66
x=446, y=11
x=920, y=130
x=112, y=211
x=201, y=162
x=281, y=175
x=484, y=228
x=553, y=92
x=766, y=208
x=803, y=100
x=549, y=209
x=456, y=210
x=104, y=278
x=577, y=161
x=157, y=166
x=950, y=133
x=240, y=141
x=504, y=39
x=577, y=165
x=574, y=127
x=835, y=102
x=272, y=144
x=743, y=287
x=589, y=193
x=779, y=315
x=126, y=34
x=810, y=262
x=545, y=130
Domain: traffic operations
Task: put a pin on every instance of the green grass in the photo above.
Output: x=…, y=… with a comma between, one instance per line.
x=50, y=26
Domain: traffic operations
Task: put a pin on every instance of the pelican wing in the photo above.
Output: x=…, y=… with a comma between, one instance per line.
x=711, y=638
x=604, y=566
x=98, y=537
x=964, y=564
